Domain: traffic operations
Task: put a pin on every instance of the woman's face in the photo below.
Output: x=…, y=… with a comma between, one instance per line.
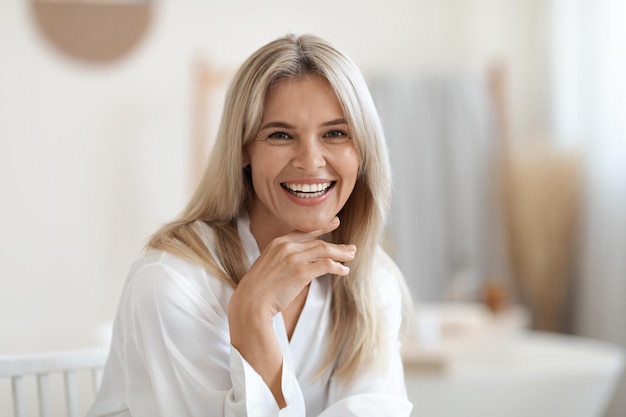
x=303, y=160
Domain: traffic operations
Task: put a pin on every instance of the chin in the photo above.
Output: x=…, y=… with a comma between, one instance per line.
x=310, y=225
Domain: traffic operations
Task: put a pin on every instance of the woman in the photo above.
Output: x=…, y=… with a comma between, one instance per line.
x=269, y=296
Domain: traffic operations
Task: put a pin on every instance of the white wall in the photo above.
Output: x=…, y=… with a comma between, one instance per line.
x=93, y=159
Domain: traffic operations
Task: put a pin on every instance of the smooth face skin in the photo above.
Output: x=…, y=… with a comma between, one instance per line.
x=304, y=163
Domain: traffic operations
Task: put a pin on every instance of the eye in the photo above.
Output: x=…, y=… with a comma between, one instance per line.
x=337, y=135
x=279, y=135
x=278, y=138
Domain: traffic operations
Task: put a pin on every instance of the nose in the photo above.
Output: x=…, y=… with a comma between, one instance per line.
x=309, y=154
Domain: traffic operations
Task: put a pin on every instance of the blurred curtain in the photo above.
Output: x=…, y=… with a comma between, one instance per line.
x=440, y=133
x=589, y=111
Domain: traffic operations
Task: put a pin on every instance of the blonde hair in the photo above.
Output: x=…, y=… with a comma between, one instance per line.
x=225, y=191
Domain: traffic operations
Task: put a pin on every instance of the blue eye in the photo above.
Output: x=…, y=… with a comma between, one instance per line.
x=279, y=136
x=336, y=134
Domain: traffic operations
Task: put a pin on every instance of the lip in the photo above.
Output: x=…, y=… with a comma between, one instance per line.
x=308, y=181
x=309, y=201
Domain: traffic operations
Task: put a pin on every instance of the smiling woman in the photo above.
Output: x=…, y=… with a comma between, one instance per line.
x=270, y=295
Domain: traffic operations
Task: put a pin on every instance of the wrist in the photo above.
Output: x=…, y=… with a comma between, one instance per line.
x=248, y=320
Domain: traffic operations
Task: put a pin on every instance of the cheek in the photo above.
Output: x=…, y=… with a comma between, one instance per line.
x=265, y=168
x=260, y=174
x=350, y=163
x=259, y=161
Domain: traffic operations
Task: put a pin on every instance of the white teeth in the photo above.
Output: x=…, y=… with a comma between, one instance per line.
x=307, y=190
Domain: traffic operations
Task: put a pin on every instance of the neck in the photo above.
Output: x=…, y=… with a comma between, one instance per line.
x=264, y=230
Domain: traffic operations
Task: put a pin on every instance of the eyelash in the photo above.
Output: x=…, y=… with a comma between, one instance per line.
x=341, y=132
x=333, y=134
x=275, y=134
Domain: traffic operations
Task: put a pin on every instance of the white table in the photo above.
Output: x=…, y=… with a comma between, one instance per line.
x=501, y=370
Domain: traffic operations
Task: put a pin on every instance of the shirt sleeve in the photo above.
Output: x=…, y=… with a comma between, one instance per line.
x=376, y=393
x=257, y=394
x=179, y=358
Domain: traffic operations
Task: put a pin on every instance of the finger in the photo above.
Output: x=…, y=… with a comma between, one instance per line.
x=320, y=251
x=298, y=236
x=337, y=252
x=328, y=266
x=334, y=223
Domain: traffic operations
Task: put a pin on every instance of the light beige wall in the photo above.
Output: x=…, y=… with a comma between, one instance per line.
x=92, y=159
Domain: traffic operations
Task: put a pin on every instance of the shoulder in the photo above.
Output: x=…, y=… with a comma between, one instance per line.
x=161, y=280
x=159, y=266
x=393, y=293
x=387, y=278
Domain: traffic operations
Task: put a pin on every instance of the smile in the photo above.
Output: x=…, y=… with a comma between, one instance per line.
x=308, y=190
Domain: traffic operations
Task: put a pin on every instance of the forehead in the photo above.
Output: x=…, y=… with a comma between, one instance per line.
x=307, y=95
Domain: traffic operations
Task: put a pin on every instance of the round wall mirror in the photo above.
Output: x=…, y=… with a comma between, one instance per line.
x=97, y=31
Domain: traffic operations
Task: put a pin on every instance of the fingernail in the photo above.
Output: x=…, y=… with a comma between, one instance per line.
x=351, y=248
x=346, y=269
x=334, y=221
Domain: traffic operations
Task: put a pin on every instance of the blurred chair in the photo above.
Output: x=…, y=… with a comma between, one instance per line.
x=68, y=364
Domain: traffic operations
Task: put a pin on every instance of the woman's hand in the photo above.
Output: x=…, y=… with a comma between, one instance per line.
x=286, y=266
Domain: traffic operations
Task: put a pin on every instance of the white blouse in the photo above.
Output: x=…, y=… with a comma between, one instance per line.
x=171, y=354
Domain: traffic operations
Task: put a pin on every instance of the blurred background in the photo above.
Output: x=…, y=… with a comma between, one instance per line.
x=505, y=122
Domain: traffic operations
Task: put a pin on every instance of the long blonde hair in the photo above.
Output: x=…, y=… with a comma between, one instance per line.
x=225, y=191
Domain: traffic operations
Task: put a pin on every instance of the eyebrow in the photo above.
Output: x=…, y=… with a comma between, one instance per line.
x=284, y=125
